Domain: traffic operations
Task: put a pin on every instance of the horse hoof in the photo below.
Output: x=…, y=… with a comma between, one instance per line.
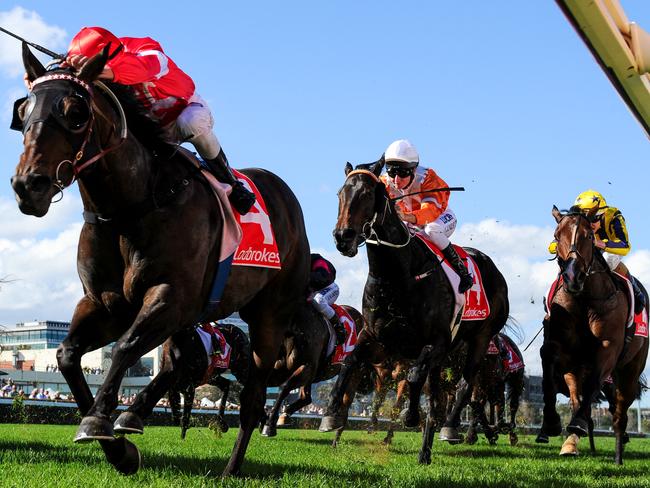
x=471, y=439
x=330, y=423
x=269, y=431
x=570, y=446
x=579, y=427
x=541, y=438
x=424, y=457
x=129, y=460
x=387, y=441
x=94, y=429
x=411, y=419
x=514, y=439
x=282, y=420
x=128, y=423
x=450, y=434
x=492, y=440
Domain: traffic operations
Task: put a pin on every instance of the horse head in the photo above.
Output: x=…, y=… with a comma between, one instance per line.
x=575, y=246
x=56, y=120
x=359, y=199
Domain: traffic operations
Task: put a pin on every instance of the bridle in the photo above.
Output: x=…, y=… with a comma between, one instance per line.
x=372, y=237
x=573, y=249
x=76, y=162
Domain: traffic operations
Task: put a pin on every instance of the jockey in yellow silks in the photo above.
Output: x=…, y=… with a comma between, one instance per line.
x=611, y=237
x=428, y=211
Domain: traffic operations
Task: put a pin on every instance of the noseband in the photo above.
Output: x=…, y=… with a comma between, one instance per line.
x=76, y=162
x=573, y=249
x=372, y=237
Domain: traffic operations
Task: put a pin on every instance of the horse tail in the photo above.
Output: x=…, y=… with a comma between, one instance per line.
x=513, y=330
x=643, y=385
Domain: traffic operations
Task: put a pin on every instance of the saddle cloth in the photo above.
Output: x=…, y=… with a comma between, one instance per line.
x=473, y=302
x=210, y=334
x=341, y=352
x=512, y=362
x=258, y=246
x=640, y=320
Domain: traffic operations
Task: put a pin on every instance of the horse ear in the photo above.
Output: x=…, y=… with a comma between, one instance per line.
x=33, y=66
x=348, y=168
x=557, y=214
x=377, y=166
x=94, y=66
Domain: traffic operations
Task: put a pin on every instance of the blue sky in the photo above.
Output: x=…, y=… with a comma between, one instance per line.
x=500, y=97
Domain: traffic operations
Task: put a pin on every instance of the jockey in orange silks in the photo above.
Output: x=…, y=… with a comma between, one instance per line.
x=166, y=92
x=428, y=211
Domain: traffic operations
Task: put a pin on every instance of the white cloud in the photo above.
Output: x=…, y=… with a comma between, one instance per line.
x=29, y=25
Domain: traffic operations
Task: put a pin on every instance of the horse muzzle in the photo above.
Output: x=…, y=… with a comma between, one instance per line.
x=574, y=278
x=33, y=193
x=346, y=241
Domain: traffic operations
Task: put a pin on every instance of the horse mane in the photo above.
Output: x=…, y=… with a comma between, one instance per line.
x=145, y=129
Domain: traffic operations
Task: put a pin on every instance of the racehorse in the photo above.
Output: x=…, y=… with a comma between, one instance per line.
x=149, y=248
x=305, y=359
x=585, y=334
x=494, y=378
x=408, y=303
x=185, y=366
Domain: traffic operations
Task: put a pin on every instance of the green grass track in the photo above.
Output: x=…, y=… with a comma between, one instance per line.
x=44, y=455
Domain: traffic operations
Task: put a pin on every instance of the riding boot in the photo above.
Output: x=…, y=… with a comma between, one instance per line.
x=339, y=330
x=240, y=198
x=466, y=279
x=639, y=297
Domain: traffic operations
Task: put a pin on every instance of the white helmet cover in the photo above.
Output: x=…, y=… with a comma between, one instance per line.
x=402, y=153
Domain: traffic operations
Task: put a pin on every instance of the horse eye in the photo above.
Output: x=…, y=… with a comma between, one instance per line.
x=74, y=111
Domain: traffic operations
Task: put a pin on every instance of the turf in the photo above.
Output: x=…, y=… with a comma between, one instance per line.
x=44, y=456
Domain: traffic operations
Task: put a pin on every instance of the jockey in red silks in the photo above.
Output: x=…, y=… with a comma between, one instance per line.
x=324, y=292
x=428, y=211
x=166, y=92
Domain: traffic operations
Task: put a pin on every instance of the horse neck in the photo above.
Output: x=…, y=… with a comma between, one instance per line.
x=120, y=179
x=600, y=284
x=392, y=263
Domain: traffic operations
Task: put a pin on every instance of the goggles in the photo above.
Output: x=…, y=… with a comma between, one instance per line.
x=401, y=172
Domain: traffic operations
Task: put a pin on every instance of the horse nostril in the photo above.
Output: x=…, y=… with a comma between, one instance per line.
x=38, y=183
x=346, y=234
x=18, y=184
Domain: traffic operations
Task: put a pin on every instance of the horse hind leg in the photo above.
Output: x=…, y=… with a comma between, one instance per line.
x=224, y=385
x=302, y=401
x=395, y=411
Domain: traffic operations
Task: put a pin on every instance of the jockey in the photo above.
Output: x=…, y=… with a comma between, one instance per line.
x=166, y=92
x=610, y=237
x=429, y=212
x=324, y=292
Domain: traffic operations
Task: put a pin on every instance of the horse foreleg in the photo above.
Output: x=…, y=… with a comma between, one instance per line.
x=336, y=413
x=156, y=321
x=224, y=385
x=429, y=356
x=91, y=328
x=297, y=379
x=627, y=388
x=551, y=424
x=381, y=388
x=303, y=400
x=400, y=399
x=430, y=424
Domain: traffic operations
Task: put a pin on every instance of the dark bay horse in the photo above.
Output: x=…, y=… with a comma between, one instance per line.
x=585, y=335
x=408, y=303
x=149, y=249
x=303, y=361
x=184, y=365
x=494, y=380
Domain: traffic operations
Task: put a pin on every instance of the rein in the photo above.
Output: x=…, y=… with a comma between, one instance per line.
x=76, y=161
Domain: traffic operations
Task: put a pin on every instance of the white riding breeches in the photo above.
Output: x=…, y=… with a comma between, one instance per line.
x=441, y=229
x=194, y=124
x=613, y=260
x=323, y=299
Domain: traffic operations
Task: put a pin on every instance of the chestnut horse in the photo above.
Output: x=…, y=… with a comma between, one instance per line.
x=408, y=304
x=585, y=334
x=149, y=248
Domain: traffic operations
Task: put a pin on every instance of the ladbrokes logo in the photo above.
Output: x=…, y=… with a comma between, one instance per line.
x=257, y=256
x=474, y=314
